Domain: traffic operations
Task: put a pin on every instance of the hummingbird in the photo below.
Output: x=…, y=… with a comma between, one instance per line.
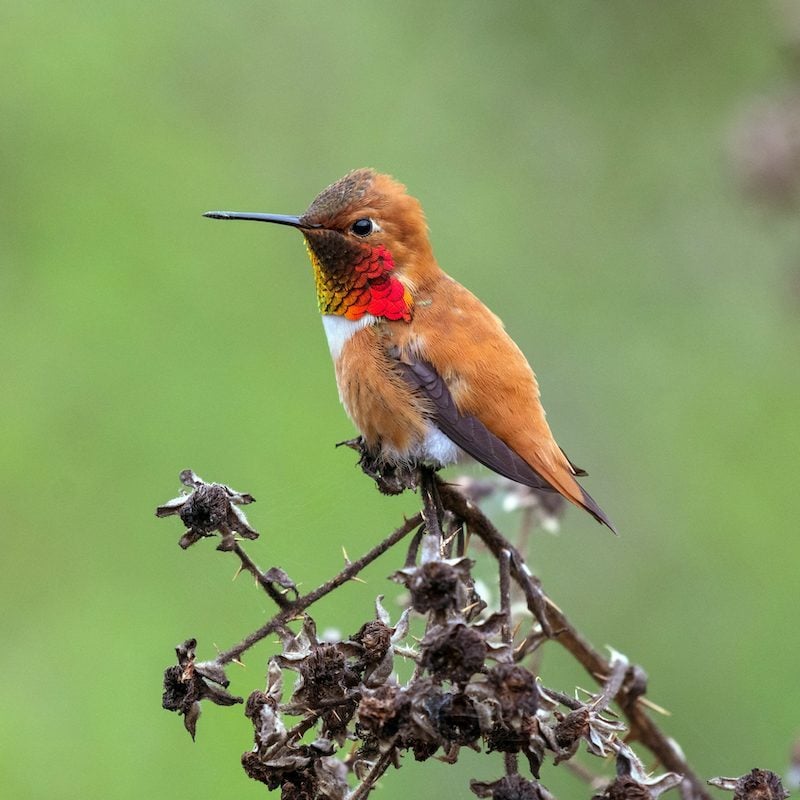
x=426, y=372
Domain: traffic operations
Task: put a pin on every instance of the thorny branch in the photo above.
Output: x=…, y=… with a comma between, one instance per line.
x=630, y=693
x=349, y=690
x=295, y=608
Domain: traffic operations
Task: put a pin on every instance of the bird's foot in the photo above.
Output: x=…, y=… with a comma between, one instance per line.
x=389, y=478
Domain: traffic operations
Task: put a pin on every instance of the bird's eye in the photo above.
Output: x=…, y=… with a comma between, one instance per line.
x=362, y=227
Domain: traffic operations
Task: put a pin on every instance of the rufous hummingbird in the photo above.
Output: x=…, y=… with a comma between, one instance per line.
x=424, y=369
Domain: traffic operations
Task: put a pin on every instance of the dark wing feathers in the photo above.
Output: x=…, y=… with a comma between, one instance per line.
x=472, y=436
x=467, y=431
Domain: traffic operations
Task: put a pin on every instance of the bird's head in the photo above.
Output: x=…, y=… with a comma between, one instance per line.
x=368, y=243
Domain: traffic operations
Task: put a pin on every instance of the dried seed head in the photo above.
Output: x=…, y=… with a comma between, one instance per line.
x=176, y=689
x=455, y=718
x=390, y=715
x=205, y=508
x=208, y=508
x=624, y=788
x=434, y=587
x=572, y=727
x=323, y=669
x=511, y=787
x=504, y=738
x=515, y=689
x=376, y=638
x=633, y=783
x=758, y=784
x=437, y=584
x=378, y=711
x=325, y=681
x=256, y=702
x=259, y=771
x=187, y=683
x=453, y=652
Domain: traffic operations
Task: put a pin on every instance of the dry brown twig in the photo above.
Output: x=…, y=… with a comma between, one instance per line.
x=350, y=717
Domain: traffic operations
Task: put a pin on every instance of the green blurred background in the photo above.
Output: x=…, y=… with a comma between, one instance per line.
x=573, y=160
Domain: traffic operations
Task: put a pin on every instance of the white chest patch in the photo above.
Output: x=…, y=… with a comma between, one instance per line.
x=340, y=330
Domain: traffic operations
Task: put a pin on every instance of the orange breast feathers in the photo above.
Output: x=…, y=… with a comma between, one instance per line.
x=485, y=371
x=390, y=415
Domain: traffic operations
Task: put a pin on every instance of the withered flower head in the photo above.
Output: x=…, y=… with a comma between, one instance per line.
x=187, y=683
x=302, y=772
x=511, y=787
x=279, y=761
x=380, y=711
x=453, y=652
x=376, y=639
x=396, y=716
x=515, y=689
x=437, y=584
x=510, y=696
x=506, y=738
x=571, y=728
x=758, y=784
x=433, y=586
x=455, y=718
x=326, y=681
x=262, y=709
x=581, y=724
x=421, y=717
x=374, y=646
x=633, y=783
x=209, y=507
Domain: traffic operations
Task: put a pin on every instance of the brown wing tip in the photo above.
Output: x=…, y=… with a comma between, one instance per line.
x=591, y=506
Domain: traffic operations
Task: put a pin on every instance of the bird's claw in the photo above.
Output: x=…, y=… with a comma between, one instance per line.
x=390, y=478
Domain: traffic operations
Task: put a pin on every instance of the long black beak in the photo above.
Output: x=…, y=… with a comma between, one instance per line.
x=278, y=219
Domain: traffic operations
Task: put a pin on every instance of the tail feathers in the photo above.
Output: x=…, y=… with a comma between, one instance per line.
x=567, y=486
x=591, y=506
x=576, y=470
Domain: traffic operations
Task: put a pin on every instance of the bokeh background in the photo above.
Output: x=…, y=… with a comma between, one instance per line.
x=581, y=165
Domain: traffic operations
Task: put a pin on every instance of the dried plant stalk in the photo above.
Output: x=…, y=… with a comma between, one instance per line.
x=350, y=717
